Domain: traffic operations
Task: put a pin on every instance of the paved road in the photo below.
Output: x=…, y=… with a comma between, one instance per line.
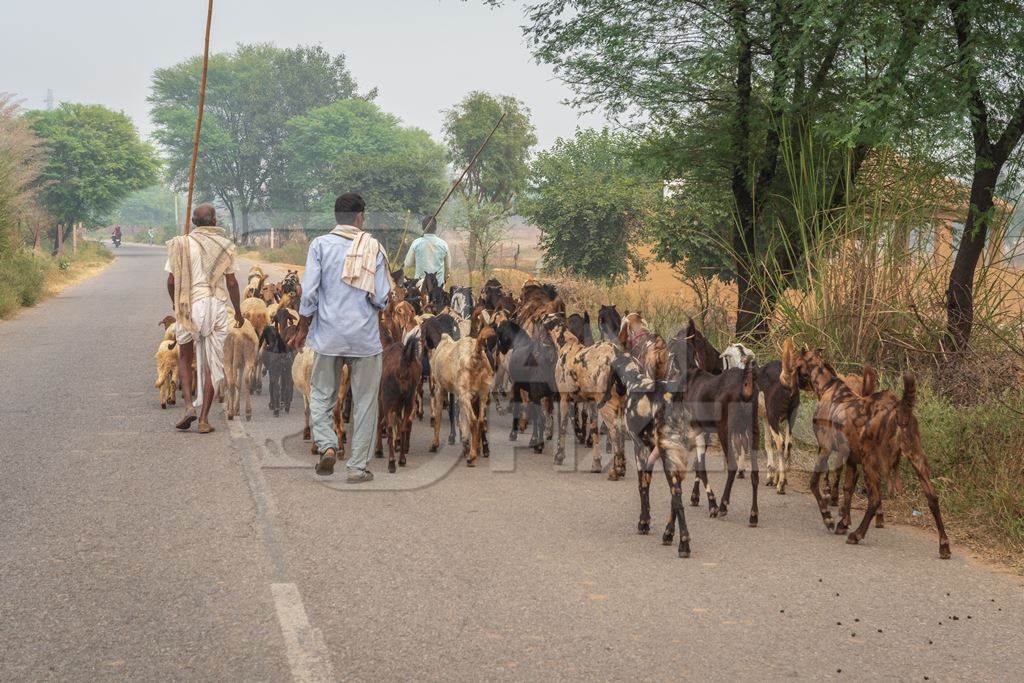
x=130, y=551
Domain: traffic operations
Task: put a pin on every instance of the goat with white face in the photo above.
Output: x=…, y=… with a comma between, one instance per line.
x=736, y=356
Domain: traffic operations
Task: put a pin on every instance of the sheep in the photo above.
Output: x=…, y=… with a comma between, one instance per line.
x=240, y=366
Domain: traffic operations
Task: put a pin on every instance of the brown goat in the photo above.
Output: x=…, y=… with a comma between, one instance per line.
x=401, y=376
x=870, y=432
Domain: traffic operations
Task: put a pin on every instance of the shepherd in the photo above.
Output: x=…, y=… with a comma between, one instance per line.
x=200, y=281
x=345, y=286
x=429, y=253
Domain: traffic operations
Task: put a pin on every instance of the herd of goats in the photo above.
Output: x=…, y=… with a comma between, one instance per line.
x=668, y=395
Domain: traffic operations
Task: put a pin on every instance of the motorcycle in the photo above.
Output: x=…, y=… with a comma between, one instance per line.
x=116, y=240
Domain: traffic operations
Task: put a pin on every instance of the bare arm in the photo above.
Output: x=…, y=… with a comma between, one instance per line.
x=232, y=285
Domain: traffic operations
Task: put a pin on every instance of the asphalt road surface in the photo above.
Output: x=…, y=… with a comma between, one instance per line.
x=128, y=550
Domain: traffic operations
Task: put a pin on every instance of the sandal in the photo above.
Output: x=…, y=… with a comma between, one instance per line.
x=325, y=467
x=205, y=427
x=185, y=423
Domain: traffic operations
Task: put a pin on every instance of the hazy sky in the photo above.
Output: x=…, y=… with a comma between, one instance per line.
x=423, y=55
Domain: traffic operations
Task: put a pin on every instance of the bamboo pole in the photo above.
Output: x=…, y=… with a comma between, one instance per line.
x=471, y=162
x=199, y=119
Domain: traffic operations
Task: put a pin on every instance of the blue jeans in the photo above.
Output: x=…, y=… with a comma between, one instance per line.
x=364, y=374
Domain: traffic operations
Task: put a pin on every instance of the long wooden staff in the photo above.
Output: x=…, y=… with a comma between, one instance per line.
x=199, y=120
x=471, y=162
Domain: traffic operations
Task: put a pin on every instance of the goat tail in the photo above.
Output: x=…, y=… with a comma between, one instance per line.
x=869, y=381
x=749, y=384
x=410, y=352
x=909, y=397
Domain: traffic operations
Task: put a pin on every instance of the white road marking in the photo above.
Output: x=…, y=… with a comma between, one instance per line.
x=303, y=644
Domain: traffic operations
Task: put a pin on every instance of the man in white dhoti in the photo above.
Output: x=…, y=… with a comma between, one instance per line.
x=200, y=281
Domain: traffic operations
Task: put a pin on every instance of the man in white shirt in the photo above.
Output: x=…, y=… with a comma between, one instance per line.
x=200, y=281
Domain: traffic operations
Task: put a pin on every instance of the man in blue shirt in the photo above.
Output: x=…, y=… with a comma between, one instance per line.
x=429, y=254
x=345, y=284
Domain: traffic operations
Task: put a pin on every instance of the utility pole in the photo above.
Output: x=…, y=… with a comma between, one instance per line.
x=49, y=99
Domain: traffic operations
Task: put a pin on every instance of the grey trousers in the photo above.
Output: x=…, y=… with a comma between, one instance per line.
x=365, y=377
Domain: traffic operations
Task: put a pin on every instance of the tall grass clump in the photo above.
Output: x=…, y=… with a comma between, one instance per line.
x=21, y=272
x=858, y=265
x=977, y=459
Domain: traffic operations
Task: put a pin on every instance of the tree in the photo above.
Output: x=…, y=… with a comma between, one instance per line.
x=352, y=145
x=590, y=199
x=151, y=207
x=726, y=82
x=94, y=160
x=988, y=44
x=251, y=94
x=499, y=175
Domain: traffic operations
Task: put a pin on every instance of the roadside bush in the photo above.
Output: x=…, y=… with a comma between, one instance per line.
x=22, y=277
x=977, y=458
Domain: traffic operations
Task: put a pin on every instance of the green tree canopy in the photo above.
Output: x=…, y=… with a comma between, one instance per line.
x=503, y=167
x=251, y=94
x=500, y=174
x=723, y=83
x=590, y=201
x=149, y=207
x=94, y=160
x=352, y=145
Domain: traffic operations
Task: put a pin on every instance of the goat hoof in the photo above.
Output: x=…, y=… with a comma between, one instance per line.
x=538, y=448
x=753, y=519
x=451, y=439
x=248, y=417
x=559, y=458
x=613, y=475
x=852, y=539
x=781, y=490
x=713, y=512
x=741, y=474
x=401, y=462
x=643, y=527
x=230, y=416
x=596, y=469
x=512, y=436
x=163, y=406
x=378, y=454
x=470, y=463
x=433, y=448
x=841, y=529
x=830, y=525
x=944, y=551
x=684, y=549
x=277, y=413
x=391, y=467
x=667, y=538
x=694, y=501
x=590, y=442
x=305, y=435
